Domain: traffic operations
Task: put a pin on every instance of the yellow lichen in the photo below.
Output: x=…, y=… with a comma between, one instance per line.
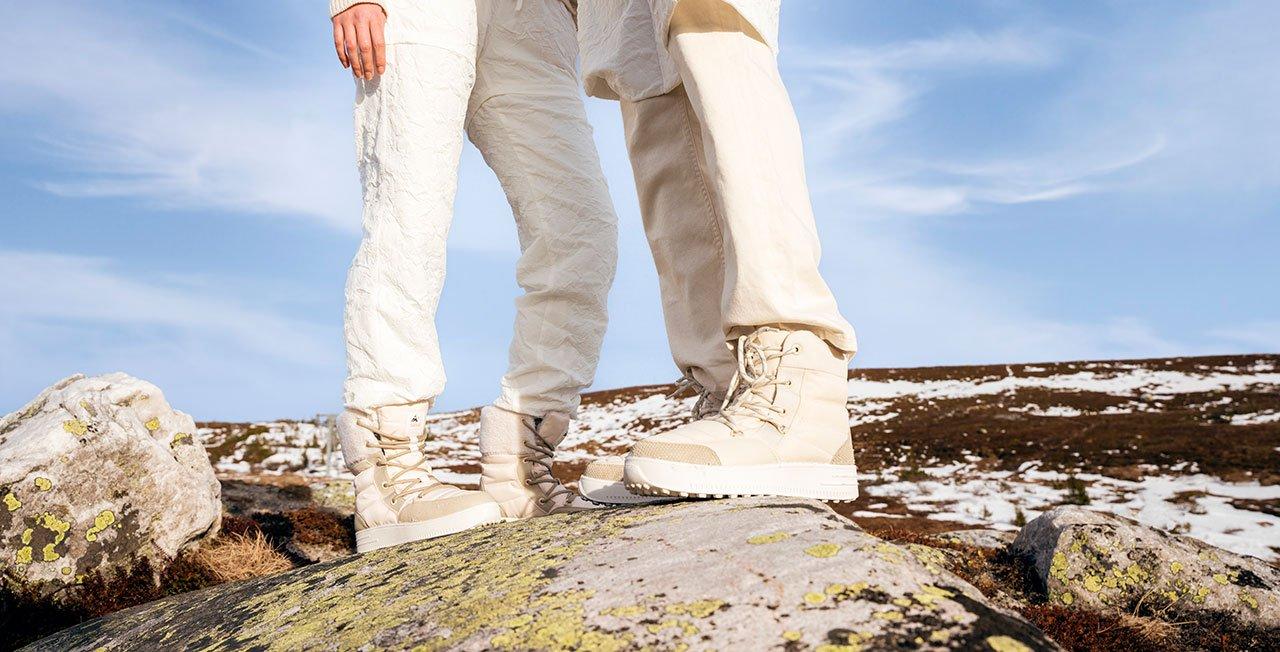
x=1201, y=594
x=75, y=427
x=179, y=439
x=628, y=611
x=902, y=602
x=697, y=608
x=1249, y=600
x=105, y=519
x=11, y=502
x=791, y=635
x=153, y=425
x=23, y=556
x=26, y=536
x=833, y=589
x=1067, y=598
x=814, y=597
x=1175, y=567
x=1058, y=568
x=889, y=615
x=1092, y=583
x=761, y=539
x=1172, y=596
x=1220, y=579
x=940, y=636
x=49, y=554
x=822, y=550
x=1006, y=644
x=43, y=484
x=55, y=525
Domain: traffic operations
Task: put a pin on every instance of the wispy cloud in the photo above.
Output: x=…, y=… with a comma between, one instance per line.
x=212, y=353
x=133, y=109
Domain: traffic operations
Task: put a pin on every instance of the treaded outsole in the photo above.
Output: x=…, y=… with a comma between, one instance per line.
x=650, y=490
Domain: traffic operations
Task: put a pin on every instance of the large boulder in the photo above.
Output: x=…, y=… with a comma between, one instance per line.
x=745, y=573
x=1094, y=560
x=96, y=474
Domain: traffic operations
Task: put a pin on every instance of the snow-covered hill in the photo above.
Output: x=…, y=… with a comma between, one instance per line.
x=1190, y=445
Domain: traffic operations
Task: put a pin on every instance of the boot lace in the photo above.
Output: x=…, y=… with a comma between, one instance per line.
x=749, y=396
x=393, y=450
x=540, y=462
x=706, y=405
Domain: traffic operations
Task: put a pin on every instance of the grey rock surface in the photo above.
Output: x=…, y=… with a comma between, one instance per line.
x=96, y=473
x=730, y=574
x=1094, y=560
x=981, y=538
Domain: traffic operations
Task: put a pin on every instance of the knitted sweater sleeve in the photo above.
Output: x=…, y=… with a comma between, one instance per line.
x=338, y=6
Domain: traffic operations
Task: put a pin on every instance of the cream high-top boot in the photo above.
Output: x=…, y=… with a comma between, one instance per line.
x=397, y=498
x=783, y=432
x=602, y=482
x=516, y=453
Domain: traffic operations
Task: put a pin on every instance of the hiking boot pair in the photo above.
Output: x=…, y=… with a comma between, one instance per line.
x=399, y=499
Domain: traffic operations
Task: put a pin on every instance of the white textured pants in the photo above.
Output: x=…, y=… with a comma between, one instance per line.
x=507, y=76
x=719, y=169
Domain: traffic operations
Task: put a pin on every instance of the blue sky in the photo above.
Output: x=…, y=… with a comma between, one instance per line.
x=994, y=181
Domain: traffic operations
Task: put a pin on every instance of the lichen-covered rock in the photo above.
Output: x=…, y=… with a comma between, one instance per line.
x=980, y=538
x=744, y=574
x=96, y=473
x=1093, y=560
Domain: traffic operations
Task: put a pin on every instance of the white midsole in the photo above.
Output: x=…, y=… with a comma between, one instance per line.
x=801, y=480
x=381, y=536
x=608, y=492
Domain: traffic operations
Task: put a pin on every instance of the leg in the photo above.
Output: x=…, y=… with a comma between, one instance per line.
x=785, y=431
x=408, y=140
x=753, y=147
x=528, y=121
x=664, y=140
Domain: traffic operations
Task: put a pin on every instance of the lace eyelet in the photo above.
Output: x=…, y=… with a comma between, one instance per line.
x=384, y=485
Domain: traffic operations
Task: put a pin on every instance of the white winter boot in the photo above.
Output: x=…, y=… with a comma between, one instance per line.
x=602, y=480
x=516, y=453
x=397, y=498
x=783, y=432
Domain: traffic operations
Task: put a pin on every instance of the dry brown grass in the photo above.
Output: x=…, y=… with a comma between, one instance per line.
x=241, y=557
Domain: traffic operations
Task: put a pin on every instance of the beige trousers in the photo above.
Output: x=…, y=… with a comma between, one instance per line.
x=504, y=73
x=719, y=171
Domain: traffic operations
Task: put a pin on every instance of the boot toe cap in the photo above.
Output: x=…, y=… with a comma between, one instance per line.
x=676, y=452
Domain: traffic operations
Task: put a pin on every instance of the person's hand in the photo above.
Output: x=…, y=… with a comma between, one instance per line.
x=357, y=36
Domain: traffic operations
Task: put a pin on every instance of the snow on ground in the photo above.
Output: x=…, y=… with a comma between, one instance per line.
x=1196, y=505
x=1177, y=498
x=1125, y=382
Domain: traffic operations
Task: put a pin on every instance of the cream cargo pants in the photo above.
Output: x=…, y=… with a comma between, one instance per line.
x=505, y=73
x=719, y=171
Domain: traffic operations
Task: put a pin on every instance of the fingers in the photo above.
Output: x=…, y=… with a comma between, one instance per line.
x=340, y=44
x=364, y=43
x=379, y=46
x=353, y=49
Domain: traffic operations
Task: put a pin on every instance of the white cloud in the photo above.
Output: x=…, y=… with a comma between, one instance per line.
x=140, y=112
x=65, y=314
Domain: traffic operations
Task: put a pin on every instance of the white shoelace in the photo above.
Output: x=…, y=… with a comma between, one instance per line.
x=747, y=397
x=394, y=448
x=540, y=462
x=706, y=405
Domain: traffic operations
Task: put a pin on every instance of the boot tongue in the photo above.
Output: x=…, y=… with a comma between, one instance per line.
x=409, y=422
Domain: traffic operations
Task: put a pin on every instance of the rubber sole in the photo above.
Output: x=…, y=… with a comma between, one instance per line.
x=605, y=492
x=382, y=536
x=653, y=477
